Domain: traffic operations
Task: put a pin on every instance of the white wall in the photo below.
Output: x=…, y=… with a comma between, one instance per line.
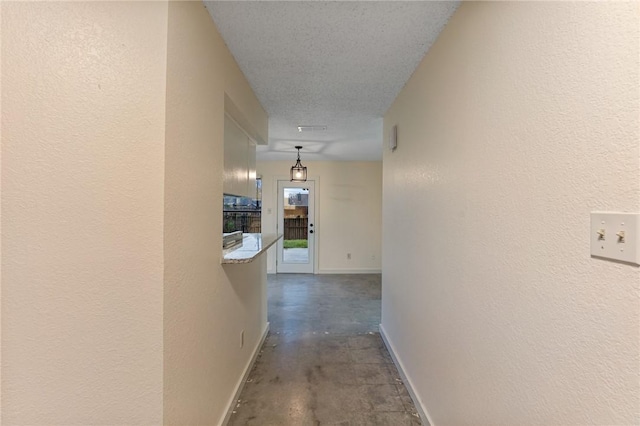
x=348, y=212
x=206, y=305
x=82, y=211
x=521, y=119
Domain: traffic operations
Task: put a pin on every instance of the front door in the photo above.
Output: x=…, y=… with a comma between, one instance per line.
x=296, y=221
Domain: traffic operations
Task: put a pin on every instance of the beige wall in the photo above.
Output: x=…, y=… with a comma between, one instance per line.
x=112, y=143
x=82, y=211
x=348, y=212
x=0, y=216
x=521, y=119
x=206, y=305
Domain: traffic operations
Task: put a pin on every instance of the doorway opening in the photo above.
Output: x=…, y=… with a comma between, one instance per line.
x=296, y=214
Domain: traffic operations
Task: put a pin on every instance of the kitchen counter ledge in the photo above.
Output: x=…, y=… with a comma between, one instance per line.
x=253, y=245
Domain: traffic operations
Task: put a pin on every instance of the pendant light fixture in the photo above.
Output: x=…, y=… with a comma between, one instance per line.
x=298, y=171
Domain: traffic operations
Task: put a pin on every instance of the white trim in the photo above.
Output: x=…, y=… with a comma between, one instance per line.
x=337, y=271
x=349, y=271
x=232, y=403
x=316, y=246
x=318, y=225
x=422, y=410
x=310, y=267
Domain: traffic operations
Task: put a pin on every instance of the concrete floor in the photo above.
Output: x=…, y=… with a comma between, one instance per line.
x=295, y=255
x=323, y=362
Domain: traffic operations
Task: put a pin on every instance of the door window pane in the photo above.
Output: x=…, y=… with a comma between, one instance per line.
x=296, y=223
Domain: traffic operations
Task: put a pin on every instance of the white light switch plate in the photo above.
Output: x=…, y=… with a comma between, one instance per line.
x=606, y=228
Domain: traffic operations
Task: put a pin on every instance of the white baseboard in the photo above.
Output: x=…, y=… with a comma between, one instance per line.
x=232, y=404
x=340, y=271
x=422, y=411
x=349, y=271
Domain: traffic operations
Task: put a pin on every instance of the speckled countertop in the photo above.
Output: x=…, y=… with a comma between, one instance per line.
x=252, y=246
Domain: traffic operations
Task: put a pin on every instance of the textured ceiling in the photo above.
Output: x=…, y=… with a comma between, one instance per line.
x=339, y=64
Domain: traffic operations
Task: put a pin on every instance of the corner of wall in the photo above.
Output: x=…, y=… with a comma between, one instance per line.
x=406, y=380
x=208, y=306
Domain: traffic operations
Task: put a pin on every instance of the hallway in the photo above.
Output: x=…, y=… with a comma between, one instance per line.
x=324, y=362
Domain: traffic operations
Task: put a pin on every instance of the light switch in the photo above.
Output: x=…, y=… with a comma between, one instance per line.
x=615, y=236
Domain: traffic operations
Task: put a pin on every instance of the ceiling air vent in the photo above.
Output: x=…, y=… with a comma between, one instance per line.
x=311, y=128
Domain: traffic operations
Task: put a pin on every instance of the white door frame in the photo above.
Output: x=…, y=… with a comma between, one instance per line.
x=311, y=266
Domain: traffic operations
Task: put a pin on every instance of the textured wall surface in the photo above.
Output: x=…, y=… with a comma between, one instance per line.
x=82, y=212
x=206, y=306
x=0, y=218
x=348, y=212
x=522, y=118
